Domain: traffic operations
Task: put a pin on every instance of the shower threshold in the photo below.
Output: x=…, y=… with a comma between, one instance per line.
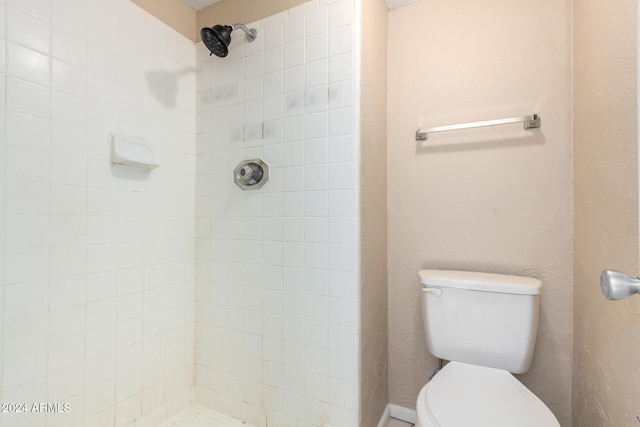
x=197, y=416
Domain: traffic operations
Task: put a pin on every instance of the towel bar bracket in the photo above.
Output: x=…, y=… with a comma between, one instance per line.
x=533, y=123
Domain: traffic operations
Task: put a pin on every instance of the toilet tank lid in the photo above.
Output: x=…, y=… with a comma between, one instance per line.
x=486, y=282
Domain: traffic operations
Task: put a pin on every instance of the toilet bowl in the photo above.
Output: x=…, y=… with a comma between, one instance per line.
x=485, y=325
x=467, y=395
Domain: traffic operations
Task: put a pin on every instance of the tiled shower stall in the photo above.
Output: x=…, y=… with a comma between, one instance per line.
x=130, y=295
x=276, y=289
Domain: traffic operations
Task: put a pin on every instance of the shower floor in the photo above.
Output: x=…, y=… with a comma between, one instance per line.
x=197, y=416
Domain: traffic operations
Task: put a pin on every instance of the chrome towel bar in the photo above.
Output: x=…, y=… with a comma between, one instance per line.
x=532, y=121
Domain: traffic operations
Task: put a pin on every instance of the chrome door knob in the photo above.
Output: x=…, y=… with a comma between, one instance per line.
x=617, y=285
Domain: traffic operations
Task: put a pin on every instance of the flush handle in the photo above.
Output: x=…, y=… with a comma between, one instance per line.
x=434, y=291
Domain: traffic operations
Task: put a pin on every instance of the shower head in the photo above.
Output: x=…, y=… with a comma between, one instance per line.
x=218, y=38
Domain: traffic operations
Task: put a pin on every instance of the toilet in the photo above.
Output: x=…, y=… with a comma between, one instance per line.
x=485, y=325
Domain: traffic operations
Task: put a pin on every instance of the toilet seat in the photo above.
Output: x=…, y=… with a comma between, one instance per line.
x=469, y=395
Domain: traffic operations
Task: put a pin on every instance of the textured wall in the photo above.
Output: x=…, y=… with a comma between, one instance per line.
x=175, y=13
x=373, y=201
x=497, y=200
x=188, y=22
x=606, y=373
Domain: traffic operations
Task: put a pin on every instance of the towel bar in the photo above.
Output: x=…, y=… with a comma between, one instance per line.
x=530, y=122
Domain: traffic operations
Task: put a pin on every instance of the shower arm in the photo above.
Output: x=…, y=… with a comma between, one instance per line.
x=251, y=33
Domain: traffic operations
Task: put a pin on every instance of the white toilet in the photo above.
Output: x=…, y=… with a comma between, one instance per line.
x=485, y=325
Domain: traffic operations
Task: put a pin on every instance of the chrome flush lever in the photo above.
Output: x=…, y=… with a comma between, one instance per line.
x=435, y=291
x=616, y=285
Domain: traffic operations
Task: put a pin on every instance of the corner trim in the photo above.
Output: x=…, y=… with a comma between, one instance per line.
x=386, y=416
x=399, y=413
x=402, y=413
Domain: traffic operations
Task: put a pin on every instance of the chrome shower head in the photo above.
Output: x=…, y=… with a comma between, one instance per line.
x=218, y=38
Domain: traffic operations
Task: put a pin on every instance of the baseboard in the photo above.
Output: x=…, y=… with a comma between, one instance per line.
x=386, y=415
x=401, y=413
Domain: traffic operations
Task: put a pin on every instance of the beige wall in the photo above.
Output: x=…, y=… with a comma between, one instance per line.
x=501, y=204
x=606, y=373
x=243, y=11
x=373, y=208
x=174, y=13
x=187, y=22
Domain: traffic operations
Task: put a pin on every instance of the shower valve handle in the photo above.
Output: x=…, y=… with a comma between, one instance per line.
x=250, y=173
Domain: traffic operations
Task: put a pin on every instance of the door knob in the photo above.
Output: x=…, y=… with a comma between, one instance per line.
x=616, y=285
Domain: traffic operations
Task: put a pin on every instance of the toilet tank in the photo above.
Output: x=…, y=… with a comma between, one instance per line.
x=480, y=318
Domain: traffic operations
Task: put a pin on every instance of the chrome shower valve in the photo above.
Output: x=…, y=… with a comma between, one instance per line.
x=251, y=174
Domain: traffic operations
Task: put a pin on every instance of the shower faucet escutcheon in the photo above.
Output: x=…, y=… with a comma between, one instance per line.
x=251, y=174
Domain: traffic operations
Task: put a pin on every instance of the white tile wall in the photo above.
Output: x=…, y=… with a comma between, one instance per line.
x=98, y=298
x=97, y=262
x=276, y=291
